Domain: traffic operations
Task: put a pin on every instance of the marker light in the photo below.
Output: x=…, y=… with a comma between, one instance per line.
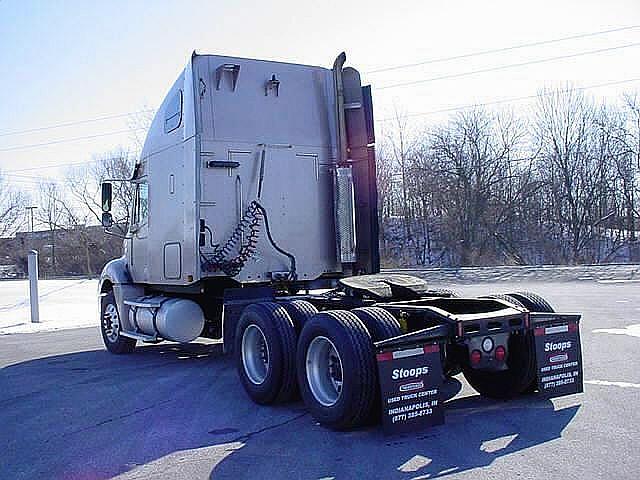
x=501, y=353
x=476, y=356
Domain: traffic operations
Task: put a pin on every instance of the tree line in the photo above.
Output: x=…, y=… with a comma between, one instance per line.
x=557, y=184
x=67, y=234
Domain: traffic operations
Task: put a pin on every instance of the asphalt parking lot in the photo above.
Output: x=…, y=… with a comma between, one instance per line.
x=69, y=410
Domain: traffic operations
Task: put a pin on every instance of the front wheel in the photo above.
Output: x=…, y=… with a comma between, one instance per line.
x=111, y=327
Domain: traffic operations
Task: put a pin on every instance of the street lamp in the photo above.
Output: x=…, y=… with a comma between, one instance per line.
x=31, y=208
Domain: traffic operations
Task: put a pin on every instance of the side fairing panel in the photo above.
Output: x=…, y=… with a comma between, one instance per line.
x=164, y=249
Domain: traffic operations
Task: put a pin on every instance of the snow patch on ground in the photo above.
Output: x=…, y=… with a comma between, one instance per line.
x=63, y=304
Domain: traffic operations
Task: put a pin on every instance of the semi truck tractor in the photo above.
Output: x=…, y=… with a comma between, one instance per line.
x=254, y=221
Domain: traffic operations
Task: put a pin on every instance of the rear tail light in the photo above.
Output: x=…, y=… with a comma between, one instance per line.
x=500, y=353
x=476, y=356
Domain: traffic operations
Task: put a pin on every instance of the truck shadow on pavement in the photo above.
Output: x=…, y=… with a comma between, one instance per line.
x=178, y=411
x=476, y=433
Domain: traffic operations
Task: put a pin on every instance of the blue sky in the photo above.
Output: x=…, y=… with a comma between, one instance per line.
x=70, y=60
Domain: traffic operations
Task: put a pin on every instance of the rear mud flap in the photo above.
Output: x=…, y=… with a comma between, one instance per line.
x=410, y=386
x=558, y=353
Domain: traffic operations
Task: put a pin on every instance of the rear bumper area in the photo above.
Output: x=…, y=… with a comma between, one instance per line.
x=411, y=373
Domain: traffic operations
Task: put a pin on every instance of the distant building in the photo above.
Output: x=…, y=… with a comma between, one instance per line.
x=81, y=250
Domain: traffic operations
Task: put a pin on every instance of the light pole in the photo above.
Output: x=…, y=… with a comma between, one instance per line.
x=31, y=208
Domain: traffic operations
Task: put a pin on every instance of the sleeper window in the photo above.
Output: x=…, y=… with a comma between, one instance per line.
x=173, y=113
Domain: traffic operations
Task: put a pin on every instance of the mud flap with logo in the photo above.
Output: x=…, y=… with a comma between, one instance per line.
x=558, y=354
x=410, y=387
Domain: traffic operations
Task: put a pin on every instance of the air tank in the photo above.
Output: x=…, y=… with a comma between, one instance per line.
x=176, y=319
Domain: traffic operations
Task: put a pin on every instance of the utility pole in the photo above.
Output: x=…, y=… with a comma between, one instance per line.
x=31, y=208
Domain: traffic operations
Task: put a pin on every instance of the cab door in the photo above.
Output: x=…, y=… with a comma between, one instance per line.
x=139, y=233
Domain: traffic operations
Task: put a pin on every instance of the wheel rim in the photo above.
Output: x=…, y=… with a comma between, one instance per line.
x=111, y=323
x=324, y=371
x=255, y=354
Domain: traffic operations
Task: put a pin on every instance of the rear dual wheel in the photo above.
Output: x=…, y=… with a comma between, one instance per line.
x=333, y=363
x=265, y=343
x=337, y=371
x=265, y=347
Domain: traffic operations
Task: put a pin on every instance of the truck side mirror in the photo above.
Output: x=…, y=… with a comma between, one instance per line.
x=107, y=220
x=107, y=191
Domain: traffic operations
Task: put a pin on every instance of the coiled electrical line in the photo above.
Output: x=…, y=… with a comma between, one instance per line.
x=248, y=232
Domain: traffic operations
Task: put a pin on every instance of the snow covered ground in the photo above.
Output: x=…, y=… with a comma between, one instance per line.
x=63, y=304
x=74, y=303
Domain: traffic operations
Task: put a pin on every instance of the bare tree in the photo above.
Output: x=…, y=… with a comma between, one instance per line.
x=472, y=161
x=139, y=123
x=574, y=166
x=50, y=212
x=85, y=182
x=484, y=189
x=12, y=203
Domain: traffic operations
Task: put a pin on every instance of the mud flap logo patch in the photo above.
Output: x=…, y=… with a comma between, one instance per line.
x=410, y=383
x=559, y=359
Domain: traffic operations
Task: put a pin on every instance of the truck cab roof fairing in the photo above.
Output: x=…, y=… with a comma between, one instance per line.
x=158, y=137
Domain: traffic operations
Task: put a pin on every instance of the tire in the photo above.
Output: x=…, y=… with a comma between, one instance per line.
x=300, y=312
x=350, y=394
x=449, y=367
x=507, y=298
x=532, y=302
x=265, y=346
x=379, y=323
x=110, y=326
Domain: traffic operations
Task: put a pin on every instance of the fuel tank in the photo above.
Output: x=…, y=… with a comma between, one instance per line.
x=176, y=319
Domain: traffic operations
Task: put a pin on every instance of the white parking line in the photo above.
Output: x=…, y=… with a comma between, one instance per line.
x=630, y=280
x=613, y=384
x=631, y=330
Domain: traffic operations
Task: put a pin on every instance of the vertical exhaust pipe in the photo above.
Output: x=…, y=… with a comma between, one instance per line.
x=342, y=129
x=344, y=205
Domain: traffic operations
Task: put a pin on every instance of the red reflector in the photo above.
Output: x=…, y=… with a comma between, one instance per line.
x=476, y=356
x=538, y=331
x=573, y=327
x=500, y=353
x=432, y=348
x=384, y=357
